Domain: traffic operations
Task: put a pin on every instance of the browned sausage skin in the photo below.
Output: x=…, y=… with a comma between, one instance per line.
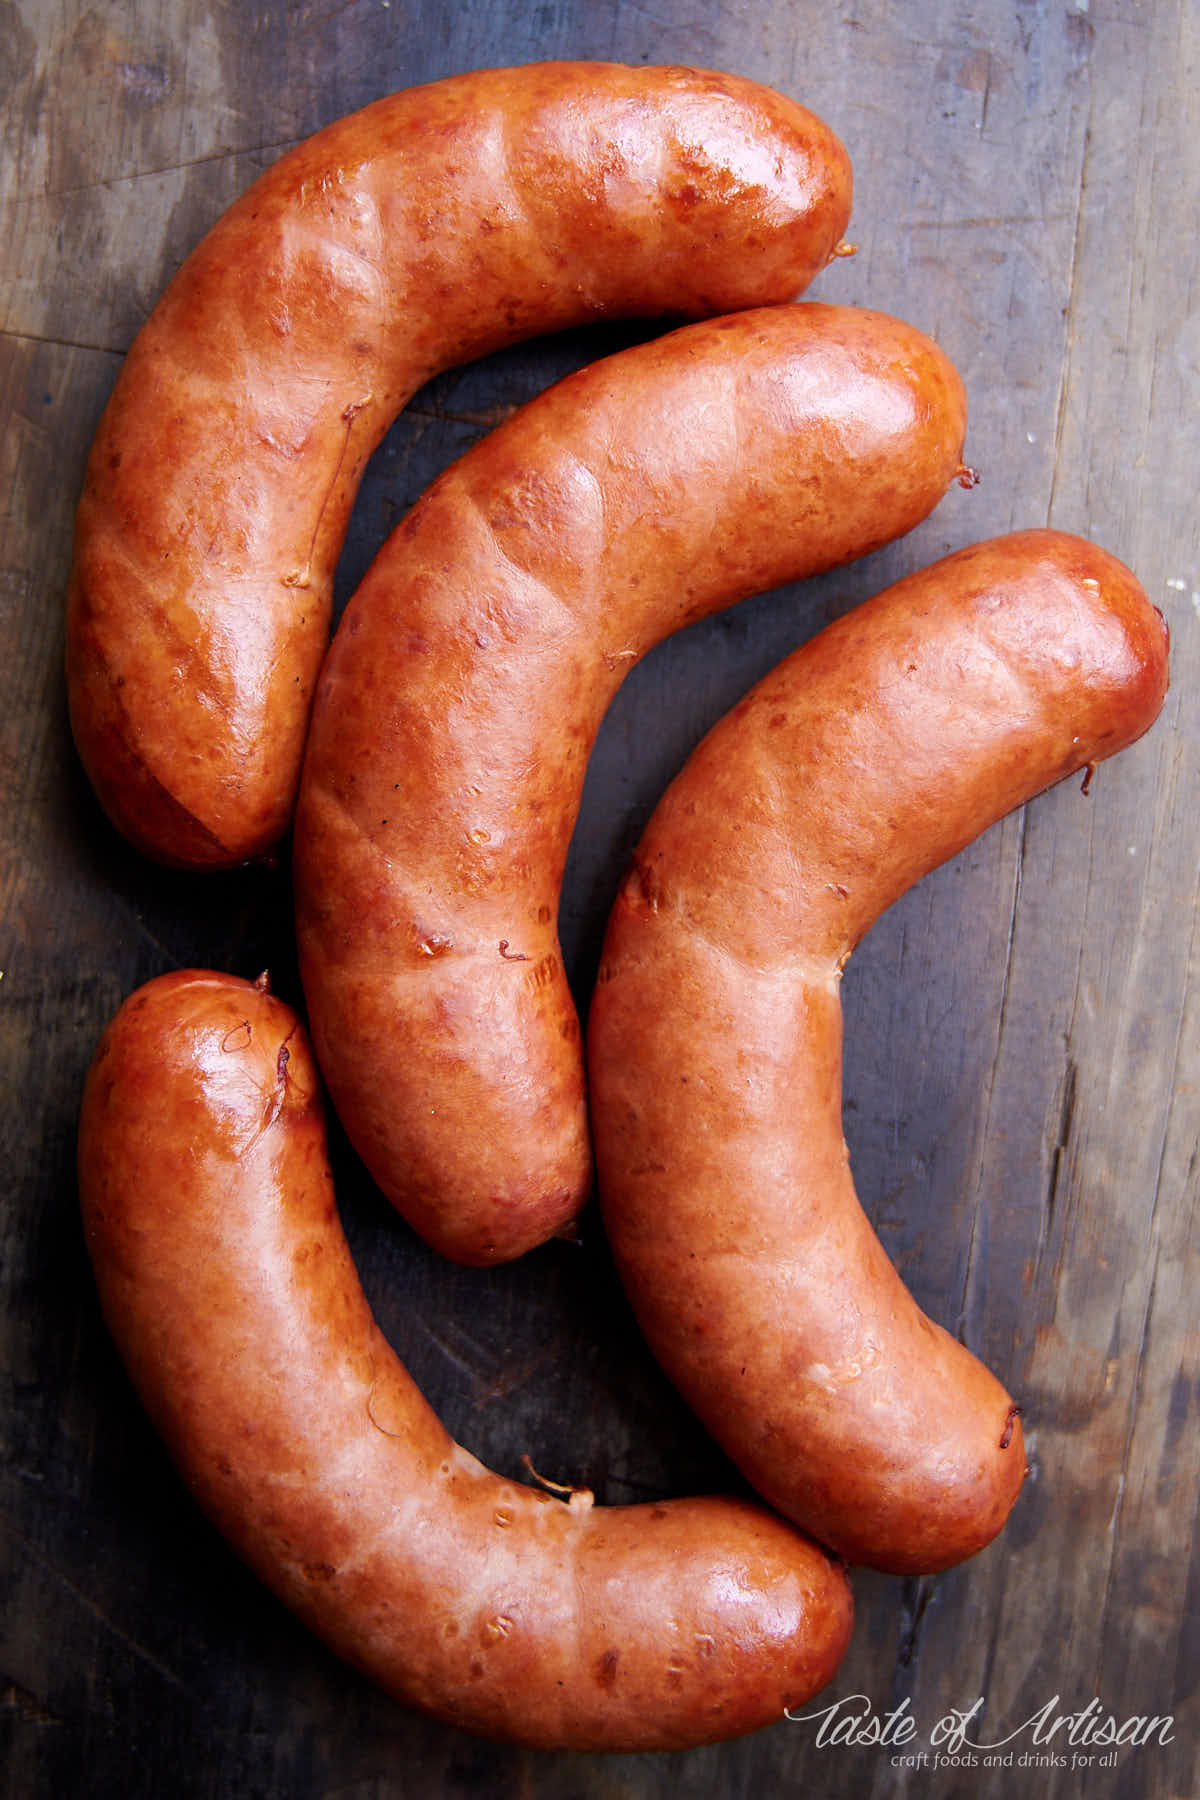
x=423, y=231
x=229, y=1288
x=868, y=757
x=465, y=686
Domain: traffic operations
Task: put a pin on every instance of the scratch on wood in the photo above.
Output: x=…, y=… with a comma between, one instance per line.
x=995, y=1633
x=1135, y=1399
x=985, y=222
x=987, y=89
x=471, y=1364
x=918, y=1591
x=91, y=1606
x=1065, y=1119
x=488, y=417
x=990, y=1084
x=60, y=343
x=230, y=154
x=1179, y=1412
x=1064, y=380
x=129, y=907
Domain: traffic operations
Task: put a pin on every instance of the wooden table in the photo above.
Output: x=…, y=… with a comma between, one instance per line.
x=1023, y=1063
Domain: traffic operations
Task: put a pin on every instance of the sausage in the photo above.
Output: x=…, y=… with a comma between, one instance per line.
x=229, y=1288
x=429, y=228
x=467, y=680
x=867, y=758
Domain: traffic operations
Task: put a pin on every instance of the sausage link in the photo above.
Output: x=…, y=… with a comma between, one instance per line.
x=429, y=228
x=465, y=686
x=230, y=1291
x=868, y=757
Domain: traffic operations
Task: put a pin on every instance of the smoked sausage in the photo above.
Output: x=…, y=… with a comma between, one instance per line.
x=431, y=227
x=465, y=686
x=868, y=757
x=230, y=1291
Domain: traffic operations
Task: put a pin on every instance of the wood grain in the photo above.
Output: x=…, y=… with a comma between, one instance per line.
x=1023, y=1058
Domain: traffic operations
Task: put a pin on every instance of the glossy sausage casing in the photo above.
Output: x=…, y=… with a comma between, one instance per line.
x=426, y=230
x=465, y=686
x=229, y=1288
x=868, y=757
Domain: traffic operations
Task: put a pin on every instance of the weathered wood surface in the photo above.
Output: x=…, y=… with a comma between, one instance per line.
x=1023, y=1076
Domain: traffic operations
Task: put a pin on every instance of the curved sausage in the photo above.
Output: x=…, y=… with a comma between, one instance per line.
x=465, y=686
x=419, y=233
x=229, y=1288
x=867, y=758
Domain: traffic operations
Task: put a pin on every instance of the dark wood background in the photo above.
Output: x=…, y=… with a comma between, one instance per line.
x=1023, y=1073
